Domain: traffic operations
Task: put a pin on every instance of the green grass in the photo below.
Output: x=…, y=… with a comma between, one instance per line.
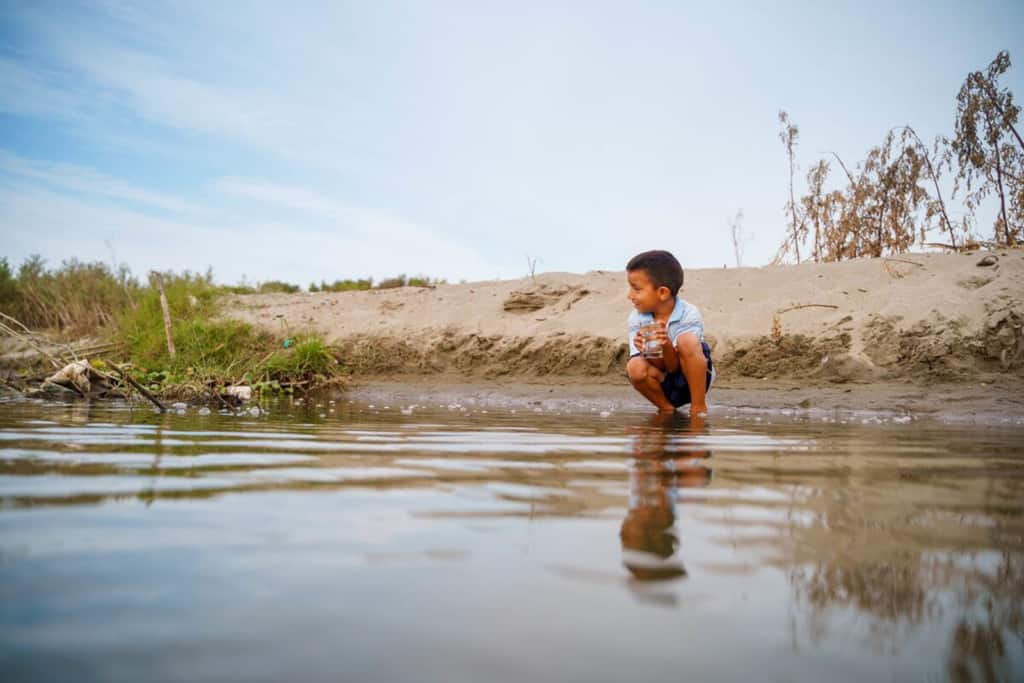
x=78, y=298
x=211, y=351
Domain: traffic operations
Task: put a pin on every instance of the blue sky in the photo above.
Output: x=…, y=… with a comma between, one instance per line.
x=306, y=141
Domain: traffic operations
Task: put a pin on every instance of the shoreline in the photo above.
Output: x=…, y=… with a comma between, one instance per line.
x=998, y=404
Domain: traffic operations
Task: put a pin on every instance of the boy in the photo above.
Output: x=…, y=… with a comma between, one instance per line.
x=684, y=372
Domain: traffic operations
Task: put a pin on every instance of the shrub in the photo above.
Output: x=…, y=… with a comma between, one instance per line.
x=277, y=286
x=424, y=281
x=392, y=282
x=346, y=285
x=77, y=297
x=309, y=358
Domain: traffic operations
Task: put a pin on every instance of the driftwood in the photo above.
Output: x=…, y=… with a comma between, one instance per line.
x=138, y=387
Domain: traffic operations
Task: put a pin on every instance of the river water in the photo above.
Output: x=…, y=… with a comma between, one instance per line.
x=372, y=543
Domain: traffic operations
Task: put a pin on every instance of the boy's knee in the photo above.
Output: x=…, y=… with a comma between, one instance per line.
x=688, y=344
x=637, y=369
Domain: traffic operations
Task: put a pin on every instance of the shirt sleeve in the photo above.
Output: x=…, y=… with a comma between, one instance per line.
x=635, y=323
x=691, y=322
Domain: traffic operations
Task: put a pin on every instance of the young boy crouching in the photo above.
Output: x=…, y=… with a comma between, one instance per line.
x=684, y=372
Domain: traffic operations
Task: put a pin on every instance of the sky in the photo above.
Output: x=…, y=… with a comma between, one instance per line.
x=307, y=141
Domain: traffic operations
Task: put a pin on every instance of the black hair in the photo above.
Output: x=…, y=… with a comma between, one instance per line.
x=661, y=266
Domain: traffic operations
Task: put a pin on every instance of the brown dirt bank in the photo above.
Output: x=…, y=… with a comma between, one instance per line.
x=920, y=318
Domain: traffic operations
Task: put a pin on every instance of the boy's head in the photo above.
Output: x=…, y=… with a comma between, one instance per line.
x=654, y=278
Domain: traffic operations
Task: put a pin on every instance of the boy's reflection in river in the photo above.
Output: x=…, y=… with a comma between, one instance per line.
x=662, y=464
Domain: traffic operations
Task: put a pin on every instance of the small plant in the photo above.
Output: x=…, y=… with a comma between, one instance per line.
x=308, y=359
x=531, y=266
x=738, y=238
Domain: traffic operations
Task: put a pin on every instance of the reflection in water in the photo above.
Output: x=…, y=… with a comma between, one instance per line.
x=650, y=540
x=490, y=545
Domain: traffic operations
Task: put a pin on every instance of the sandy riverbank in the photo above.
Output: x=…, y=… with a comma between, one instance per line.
x=958, y=403
x=918, y=319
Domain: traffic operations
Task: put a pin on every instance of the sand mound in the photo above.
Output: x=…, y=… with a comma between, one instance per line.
x=920, y=317
x=448, y=352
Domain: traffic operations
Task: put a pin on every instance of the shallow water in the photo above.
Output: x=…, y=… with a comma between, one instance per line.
x=452, y=544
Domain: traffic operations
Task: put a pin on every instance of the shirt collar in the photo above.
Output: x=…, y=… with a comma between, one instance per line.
x=675, y=316
x=677, y=312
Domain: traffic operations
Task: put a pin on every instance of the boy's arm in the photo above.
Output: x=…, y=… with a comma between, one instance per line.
x=669, y=355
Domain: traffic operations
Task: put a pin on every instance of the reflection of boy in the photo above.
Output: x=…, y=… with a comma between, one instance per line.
x=685, y=372
x=650, y=542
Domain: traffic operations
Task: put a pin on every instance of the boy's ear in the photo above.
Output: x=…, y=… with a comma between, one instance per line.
x=664, y=292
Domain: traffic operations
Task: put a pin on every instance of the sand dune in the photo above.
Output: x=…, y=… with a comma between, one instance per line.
x=919, y=317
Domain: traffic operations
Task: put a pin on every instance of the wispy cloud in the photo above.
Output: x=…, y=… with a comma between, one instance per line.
x=80, y=179
x=320, y=239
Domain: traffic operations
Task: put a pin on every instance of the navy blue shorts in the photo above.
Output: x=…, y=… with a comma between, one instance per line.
x=677, y=391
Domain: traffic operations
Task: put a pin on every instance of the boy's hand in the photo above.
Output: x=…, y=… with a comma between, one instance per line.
x=661, y=335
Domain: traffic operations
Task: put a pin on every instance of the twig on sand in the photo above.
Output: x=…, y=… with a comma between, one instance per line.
x=900, y=260
x=138, y=387
x=798, y=306
x=777, y=321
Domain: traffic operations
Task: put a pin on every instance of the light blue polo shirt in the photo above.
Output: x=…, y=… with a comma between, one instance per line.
x=684, y=318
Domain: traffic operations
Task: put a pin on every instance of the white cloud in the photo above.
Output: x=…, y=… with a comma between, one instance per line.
x=89, y=181
x=324, y=240
x=391, y=243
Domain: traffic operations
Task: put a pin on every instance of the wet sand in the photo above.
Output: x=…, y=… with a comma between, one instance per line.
x=999, y=402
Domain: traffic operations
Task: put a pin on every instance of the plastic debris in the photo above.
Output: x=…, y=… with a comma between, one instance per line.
x=77, y=376
x=242, y=393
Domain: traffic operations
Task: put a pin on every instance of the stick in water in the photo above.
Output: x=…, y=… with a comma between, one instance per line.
x=141, y=389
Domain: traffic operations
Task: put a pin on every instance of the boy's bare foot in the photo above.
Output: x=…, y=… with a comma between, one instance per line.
x=699, y=410
x=666, y=411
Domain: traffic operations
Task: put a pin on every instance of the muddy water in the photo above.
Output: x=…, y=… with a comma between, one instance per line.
x=364, y=544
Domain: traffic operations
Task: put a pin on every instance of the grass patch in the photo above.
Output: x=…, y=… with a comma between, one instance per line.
x=77, y=299
x=214, y=352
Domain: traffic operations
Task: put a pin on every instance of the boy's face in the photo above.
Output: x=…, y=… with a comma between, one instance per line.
x=644, y=296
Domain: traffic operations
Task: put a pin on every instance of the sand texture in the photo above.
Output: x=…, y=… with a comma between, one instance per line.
x=919, y=318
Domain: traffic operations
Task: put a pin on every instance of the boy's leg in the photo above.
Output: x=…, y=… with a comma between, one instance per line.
x=647, y=380
x=695, y=369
